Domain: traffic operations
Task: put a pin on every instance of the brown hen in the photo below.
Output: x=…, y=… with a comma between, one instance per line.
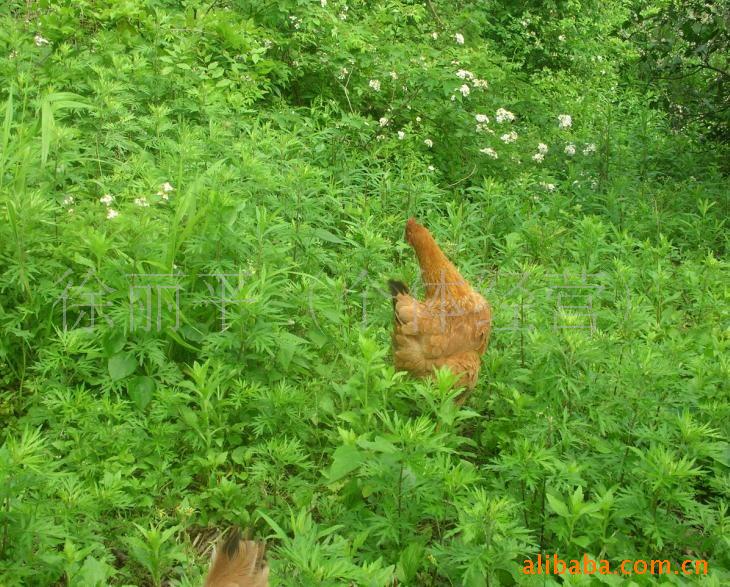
x=238, y=563
x=449, y=328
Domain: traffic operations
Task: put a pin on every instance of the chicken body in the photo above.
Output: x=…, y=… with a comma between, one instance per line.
x=450, y=327
x=238, y=563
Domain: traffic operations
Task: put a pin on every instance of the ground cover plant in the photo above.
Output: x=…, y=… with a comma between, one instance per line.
x=201, y=203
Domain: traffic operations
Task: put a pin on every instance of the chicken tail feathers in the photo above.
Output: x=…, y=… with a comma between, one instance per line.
x=238, y=563
x=397, y=287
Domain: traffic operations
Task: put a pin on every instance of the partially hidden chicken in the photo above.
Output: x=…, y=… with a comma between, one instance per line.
x=451, y=327
x=238, y=563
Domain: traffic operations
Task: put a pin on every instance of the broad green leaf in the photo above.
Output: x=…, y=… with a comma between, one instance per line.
x=122, y=365
x=140, y=390
x=346, y=459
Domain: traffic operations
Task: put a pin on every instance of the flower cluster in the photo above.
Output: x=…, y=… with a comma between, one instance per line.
x=165, y=190
x=503, y=115
x=509, y=137
x=565, y=121
x=489, y=152
x=548, y=186
x=542, y=150
x=374, y=85
x=459, y=38
x=570, y=149
x=467, y=75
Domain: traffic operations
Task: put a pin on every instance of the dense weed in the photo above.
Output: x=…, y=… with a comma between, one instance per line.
x=249, y=167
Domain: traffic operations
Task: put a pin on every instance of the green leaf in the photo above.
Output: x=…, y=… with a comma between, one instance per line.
x=409, y=563
x=558, y=506
x=327, y=236
x=113, y=342
x=189, y=417
x=122, y=365
x=95, y=572
x=140, y=390
x=345, y=460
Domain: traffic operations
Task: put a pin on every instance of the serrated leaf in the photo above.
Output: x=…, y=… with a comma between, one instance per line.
x=558, y=506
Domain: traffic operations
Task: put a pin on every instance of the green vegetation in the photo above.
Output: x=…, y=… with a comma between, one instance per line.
x=149, y=146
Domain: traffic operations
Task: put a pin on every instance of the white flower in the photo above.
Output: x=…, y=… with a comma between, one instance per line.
x=166, y=187
x=343, y=14
x=504, y=116
x=70, y=210
x=141, y=202
x=343, y=73
x=538, y=157
x=565, y=121
x=483, y=118
x=489, y=151
x=434, y=35
x=68, y=200
x=509, y=137
x=106, y=199
x=464, y=74
x=374, y=84
x=431, y=168
x=379, y=138
x=459, y=38
x=418, y=119
x=401, y=135
x=561, y=38
x=464, y=89
x=570, y=149
x=323, y=3
x=164, y=196
x=453, y=98
x=548, y=186
x=40, y=41
x=589, y=149
x=393, y=75
x=542, y=148
x=111, y=213
x=480, y=83
x=428, y=143
x=383, y=121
